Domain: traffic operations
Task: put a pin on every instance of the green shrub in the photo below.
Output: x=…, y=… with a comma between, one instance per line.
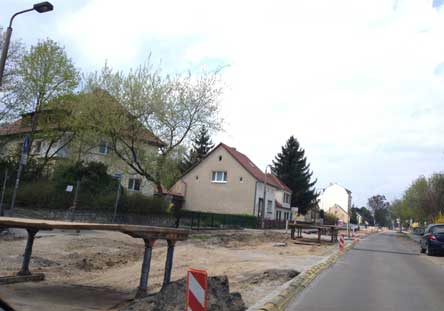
x=41, y=194
x=330, y=219
x=139, y=203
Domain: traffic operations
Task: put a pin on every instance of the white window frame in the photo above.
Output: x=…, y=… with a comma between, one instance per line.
x=106, y=147
x=269, y=207
x=219, y=177
x=286, y=197
x=132, y=184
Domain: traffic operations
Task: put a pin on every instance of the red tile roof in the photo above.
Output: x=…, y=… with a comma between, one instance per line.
x=253, y=169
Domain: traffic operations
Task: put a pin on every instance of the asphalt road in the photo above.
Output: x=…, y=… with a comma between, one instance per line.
x=383, y=272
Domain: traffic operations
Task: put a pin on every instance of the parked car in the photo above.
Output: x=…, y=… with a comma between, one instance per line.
x=433, y=239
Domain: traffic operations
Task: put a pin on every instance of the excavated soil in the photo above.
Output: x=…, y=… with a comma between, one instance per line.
x=255, y=262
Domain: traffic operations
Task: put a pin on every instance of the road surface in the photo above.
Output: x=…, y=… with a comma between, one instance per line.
x=383, y=272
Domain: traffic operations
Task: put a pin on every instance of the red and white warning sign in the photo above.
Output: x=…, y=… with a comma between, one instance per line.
x=197, y=286
x=341, y=242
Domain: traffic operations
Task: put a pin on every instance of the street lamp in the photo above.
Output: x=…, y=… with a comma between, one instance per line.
x=41, y=7
x=265, y=195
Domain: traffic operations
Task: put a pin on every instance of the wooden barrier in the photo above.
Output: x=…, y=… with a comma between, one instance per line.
x=149, y=235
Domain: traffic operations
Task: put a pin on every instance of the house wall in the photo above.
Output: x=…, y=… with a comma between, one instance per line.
x=334, y=194
x=339, y=212
x=12, y=145
x=201, y=194
x=271, y=195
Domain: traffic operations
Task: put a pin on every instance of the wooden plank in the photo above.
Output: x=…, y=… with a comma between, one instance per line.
x=22, y=278
x=133, y=230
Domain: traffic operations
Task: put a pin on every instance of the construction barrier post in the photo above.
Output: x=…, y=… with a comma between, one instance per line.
x=197, y=289
x=341, y=242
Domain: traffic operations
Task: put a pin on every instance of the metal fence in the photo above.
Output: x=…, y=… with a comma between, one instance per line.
x=183, y=219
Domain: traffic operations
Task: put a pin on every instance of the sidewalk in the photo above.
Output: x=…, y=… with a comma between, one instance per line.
x=414, y=237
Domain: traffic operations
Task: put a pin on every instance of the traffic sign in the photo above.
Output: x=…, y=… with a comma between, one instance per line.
x=26, y=142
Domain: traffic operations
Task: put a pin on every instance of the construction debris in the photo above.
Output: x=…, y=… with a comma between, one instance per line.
x=172, y=298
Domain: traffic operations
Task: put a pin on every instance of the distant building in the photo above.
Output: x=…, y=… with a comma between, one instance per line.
x=336, y=200
x=226, y=181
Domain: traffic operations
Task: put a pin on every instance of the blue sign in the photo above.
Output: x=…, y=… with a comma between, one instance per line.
x=117, y=175
x=26, y=142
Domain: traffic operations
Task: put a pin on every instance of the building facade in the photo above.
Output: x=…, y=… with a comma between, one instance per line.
x=227, y=181
x=54, y=142
x=336, y=199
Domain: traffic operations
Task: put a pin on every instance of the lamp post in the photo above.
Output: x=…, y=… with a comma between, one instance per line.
x=41, y=7
x=265, y=196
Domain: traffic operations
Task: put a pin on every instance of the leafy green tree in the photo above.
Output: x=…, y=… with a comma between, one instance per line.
x=353, y=215
x=173, y=108
x=330, y=219
x=290, y=165
x=8, y=101
x=366, y=215
x=380, y=207
x=399, y=210
x=46, y=74
x=46, y=77
x=201, y=145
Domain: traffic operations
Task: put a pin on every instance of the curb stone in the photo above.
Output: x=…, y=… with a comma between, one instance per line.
x=281, y=300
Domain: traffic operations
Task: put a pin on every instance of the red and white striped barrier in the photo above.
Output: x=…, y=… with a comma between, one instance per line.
x=197, y=288
x=341, y=242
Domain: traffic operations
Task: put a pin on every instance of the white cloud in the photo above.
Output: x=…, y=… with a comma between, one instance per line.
x=354, y=81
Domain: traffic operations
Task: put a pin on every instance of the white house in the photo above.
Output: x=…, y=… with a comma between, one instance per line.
x=335, y=197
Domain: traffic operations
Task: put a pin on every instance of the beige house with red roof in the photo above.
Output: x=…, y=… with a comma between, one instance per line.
x=226, y=181
x=54, y=139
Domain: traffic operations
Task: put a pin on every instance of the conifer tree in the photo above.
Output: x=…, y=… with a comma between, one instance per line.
x=290, y=165
x=201, y=145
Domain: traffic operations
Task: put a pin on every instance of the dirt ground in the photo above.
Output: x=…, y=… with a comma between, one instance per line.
x=94, y=270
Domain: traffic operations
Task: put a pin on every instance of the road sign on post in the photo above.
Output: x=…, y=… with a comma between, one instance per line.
x=25, y=150
x=197, y=289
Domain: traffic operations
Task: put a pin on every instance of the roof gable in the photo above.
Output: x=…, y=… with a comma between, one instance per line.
x=254, y=170
x=248, y=165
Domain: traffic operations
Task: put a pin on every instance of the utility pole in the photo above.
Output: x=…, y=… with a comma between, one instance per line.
x=265, y=196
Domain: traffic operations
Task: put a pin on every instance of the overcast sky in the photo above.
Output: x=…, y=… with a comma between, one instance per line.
x=360, y=84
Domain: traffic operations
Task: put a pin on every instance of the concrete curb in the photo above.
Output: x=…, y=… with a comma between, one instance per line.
x=281, y=300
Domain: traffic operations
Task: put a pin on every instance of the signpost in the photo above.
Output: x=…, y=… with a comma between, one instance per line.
x=23, y=162
x=118, y=176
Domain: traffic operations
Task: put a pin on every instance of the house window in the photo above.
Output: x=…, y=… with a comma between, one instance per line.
x=219, y=176
x=134, y=184
x=278, y=215
x=220, y=158
x=286, y=198
x=260, y=207
x=269, y=207
x=197, y=177
x=241, y=179
x=104, y=147
x=37, y=146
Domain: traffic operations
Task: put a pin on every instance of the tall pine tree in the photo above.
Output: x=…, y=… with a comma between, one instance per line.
x=201, y=145
x=291, y=167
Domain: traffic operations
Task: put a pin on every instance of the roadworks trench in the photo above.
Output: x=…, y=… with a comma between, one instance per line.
x=100, y=270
